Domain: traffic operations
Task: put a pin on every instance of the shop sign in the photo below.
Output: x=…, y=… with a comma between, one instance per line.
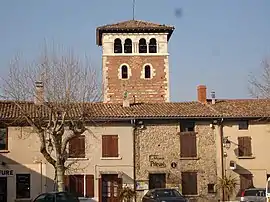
x=157, y=161
x=6, y=173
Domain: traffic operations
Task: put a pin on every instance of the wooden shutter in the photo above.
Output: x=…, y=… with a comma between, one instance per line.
x=244, y=146
x=66, y=182
x=90, y=186
x=110, y=145
x=114, y=146
x=189, y=183
x=77, y=147
x=188, y=145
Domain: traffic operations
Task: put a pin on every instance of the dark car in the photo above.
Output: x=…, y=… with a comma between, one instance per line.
x=159, y=195
x=56, y=197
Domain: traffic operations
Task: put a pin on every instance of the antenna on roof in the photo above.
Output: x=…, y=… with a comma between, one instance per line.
x=133, y=10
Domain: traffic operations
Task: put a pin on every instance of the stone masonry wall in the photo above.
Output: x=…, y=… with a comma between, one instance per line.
x=154, y=90
x=164, y=140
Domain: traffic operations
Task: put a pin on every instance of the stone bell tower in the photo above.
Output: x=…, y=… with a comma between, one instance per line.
x=135, y=61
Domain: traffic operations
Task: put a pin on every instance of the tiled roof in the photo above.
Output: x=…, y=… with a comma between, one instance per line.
x=8, y=110
x=133, y=26
x=98, y=111
x=243, y=108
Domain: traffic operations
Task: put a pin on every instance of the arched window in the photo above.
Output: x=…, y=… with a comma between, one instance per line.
x=118, y=46
x=153, y=45
x=124, y=72
x=147, y=72
x=128, y=46
x=142, y=46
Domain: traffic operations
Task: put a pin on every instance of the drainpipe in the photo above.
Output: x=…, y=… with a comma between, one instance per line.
x=222, y=156
x=133, y=123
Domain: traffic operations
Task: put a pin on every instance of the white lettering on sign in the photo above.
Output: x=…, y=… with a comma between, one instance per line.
x=4, y=173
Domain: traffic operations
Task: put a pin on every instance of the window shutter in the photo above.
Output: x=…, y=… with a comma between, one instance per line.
x=244, y=146
x=114, y=146
x=246, y=181
x=77, y=147
x=90, y=186
x=72, y=147
x=81, y=146
x=188, y=145
x=105, y=145
x=66, y=182
x=189, y=183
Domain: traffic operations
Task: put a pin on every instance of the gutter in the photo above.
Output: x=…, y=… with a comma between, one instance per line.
x=222, y=155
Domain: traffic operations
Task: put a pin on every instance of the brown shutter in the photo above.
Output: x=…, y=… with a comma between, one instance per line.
x=81, y=146
x=246, y=181
x=244, y=146
x=105, y=145
x=188, y=145
x=189, y=183
x=66, y=182
x=77, y=147
x=114, y=146
x=90, y=186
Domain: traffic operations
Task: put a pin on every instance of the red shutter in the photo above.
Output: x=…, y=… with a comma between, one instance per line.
x=90, y=186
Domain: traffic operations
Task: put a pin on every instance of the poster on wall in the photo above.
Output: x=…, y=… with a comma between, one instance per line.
x=142, y=185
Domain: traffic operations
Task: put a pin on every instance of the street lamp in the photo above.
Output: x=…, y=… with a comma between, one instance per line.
x=226, y=143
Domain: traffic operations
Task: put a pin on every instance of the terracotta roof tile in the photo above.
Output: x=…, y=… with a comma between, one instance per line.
x=132, y=26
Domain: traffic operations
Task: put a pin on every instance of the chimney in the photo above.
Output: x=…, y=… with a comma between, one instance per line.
x=201, y=96
x=126, y=100
x=213, y=96
x=39, y=96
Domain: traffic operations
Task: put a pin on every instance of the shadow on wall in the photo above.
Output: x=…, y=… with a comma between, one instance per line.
x=22, y=182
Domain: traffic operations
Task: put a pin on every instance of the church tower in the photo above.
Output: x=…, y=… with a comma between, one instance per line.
x=135, y=61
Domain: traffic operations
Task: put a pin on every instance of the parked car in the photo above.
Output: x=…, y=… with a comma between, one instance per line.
x=56, y=197
x=163, y=194
x=253, y=194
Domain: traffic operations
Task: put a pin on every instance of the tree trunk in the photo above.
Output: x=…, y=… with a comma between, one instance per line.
x=60, y=172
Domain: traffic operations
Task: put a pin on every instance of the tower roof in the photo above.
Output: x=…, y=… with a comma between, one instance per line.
x=133, y=26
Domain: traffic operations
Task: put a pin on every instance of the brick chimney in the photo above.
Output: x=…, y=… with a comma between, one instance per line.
x=201, y=93
x=39, y=94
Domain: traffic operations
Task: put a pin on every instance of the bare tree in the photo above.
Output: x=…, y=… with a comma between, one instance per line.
x=58, y=86
x=260, y=84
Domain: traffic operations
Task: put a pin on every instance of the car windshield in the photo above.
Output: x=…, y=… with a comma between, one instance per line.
x=63, y=196
x=167, y=193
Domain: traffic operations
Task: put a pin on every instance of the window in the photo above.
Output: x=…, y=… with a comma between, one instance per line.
x=23, y=186
x=152, y=46
x=187, y=126
x=244, y=146
x=246, y=181
x=157, y=180
x=109, y=145
x=77, y=147
x=128, y=46
x=211, y=188
x=80, y=185
x=124, y=72
x=142, y=46
x=117, y=46
x=147, y=72
x=189, y=183
x=188, y=144
x=243, y=125
x=3, y=139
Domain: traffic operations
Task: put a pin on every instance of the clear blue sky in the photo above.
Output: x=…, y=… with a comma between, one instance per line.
x=217, y=43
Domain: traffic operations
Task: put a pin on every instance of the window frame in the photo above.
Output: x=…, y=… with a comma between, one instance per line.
x=128, y=47
x=5, y=139
x=29, y=188
x=243, y=125
x=143, y=46
x=152, y=46
x=115, y=45
x=122, y=72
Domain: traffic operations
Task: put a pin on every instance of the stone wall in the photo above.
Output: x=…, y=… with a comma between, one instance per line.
x=163, y=140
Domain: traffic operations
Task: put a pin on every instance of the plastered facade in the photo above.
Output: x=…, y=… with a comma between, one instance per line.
x=163, y=140
x=23, y=156
x=155, y=89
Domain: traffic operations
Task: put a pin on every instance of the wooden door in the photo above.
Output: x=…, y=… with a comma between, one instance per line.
x=3, y=189
x=157, y=180
x=110, y=188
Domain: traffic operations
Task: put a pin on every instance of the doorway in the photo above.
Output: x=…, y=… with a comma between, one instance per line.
x=110, y=187
x=3, y=189
x=157, y=180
